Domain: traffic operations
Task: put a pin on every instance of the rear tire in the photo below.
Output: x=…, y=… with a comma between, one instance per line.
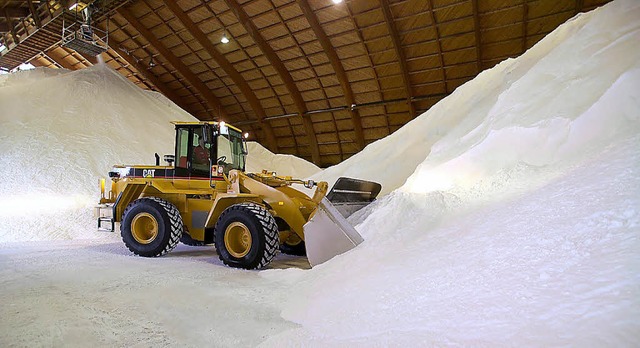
x=151, y=227
x=246, y=236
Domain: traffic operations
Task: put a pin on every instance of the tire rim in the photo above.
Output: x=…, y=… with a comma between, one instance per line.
x=144, y=228
x=237, y=239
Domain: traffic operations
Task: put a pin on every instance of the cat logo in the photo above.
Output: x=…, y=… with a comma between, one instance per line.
x=148, y=173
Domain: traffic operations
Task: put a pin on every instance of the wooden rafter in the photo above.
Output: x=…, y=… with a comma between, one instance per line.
x=34, y=14
x=476, y=24
x=579, y=6
x=402, y=60
x=61, y=61
x=525, y=17
x=330, y=51
x=127, y=70
x=46, y=57
x=168, y=92
x=175, y=61
x=282, y=71
x=229, y=69
x=439, y=44
x=12, y=28
x=16, y=12
x=91, y=59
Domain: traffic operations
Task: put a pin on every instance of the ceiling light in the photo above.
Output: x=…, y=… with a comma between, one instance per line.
x=337, y=1
x=224, y=39
x=73, y=7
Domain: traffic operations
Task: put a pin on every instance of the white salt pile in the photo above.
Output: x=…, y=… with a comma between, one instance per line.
x=62, y=131
x=519, y=221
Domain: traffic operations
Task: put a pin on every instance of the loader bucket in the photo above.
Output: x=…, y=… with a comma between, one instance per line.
x=328, y=234
x=349, y=195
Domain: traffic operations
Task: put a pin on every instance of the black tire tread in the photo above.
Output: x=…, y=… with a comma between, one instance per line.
x=176, y=226
x=269, y=226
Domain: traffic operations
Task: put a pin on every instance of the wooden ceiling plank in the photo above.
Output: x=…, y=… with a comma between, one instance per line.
x=16, y=12
x=90, y=59
x=376, y=76
x=61, y=61
x=242, y=84
x=284, y=74
x=34, y=14
x=330, y=51
x=402, y=60
x=175, y=61
x=168, y=92
x=12, y=28
x=51, y=61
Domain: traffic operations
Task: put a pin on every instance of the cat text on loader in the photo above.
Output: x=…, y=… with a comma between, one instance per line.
x=203, y=196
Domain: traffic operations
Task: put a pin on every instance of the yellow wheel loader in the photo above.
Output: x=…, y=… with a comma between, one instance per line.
x=203, y=196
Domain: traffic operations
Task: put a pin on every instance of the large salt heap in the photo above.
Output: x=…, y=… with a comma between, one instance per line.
x=260, y=158
x=517, y=215
x=62, y=131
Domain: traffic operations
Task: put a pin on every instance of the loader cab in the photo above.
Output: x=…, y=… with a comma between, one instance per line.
x=199, y=146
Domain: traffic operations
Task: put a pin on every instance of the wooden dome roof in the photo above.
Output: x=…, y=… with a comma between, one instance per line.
x=309, y=77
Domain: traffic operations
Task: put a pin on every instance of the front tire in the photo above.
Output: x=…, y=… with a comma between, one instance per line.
x=151, y=227
x=246, y=236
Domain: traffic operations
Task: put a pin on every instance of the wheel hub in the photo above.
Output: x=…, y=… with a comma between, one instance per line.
x=237, y=239
x=144, y=228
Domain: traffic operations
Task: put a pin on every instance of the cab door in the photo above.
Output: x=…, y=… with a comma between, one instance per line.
x=193, y=152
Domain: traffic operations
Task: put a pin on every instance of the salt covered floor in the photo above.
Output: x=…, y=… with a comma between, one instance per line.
x=79, y=293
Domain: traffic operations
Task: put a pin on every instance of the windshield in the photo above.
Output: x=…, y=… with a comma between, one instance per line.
x=230, y=149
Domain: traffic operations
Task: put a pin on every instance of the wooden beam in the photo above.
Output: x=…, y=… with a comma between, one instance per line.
x=51, y=60
x=16, y=12
x=476, y=24
x=53, y=55
x=284, y=74
x=176, y=62
x=525, y=18
x=36, y=62
x=439, y=46
x=34, y=14
x=242, y=84
x=330, y=51
x=91, y=59
x=579, y=6
x=402, y=60
x=12, y=28
x=142, y=70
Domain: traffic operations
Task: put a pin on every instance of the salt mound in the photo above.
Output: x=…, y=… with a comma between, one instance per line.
x=519, y=220
x=530, y=105
x=260, y=158
x=62, y=131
